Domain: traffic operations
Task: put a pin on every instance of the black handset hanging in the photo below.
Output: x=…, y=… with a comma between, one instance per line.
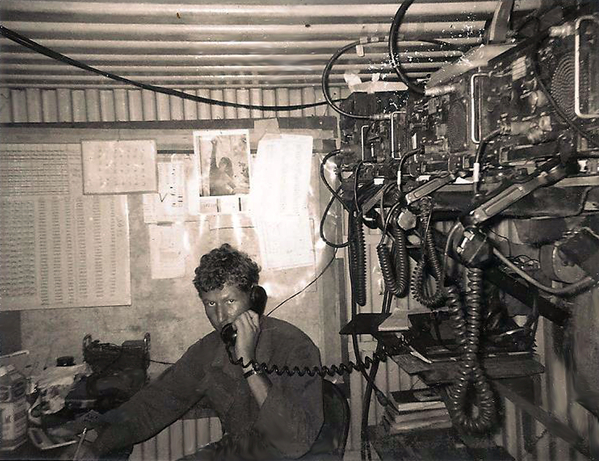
x=258, y=298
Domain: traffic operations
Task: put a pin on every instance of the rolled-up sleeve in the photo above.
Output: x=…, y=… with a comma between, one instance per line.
x=292, y=414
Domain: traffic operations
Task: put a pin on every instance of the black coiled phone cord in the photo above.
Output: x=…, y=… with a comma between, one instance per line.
x=428, y=257
x=395, y=272
x=357, y=258
x=467, y=330
x=377, y=356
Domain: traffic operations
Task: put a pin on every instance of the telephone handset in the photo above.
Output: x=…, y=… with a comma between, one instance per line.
x=258, y=298
x=228, y=335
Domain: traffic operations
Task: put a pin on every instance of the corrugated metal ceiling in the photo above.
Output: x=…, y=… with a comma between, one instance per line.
x=200, y=44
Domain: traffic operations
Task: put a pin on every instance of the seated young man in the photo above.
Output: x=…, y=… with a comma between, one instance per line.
x=263, y=416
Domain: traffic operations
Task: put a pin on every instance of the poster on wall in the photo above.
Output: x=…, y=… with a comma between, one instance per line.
x=224, y=166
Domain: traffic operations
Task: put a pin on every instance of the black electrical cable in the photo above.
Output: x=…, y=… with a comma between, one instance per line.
x=392, y=211
x=428, y=256
x=162, y=362
x=382, y=201
x=482, y=144
x=402, y=260
x=393, y=51
x=536, y=16
x=480, y=149
x=327, y=70
x=326, y=183
x=572, y=289
x=395, y=275
x=357, y=258
x=343, y=368
x=356, y=298
x=405, y=157
x=307, y=286
x=585, y=134
x=322, y=222
x=368, y=391
x=356, y=183
x=28, y=43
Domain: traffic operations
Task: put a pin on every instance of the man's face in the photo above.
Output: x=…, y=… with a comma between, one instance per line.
x=223, y=306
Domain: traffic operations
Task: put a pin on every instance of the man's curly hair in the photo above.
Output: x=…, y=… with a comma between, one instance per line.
x=226, y=265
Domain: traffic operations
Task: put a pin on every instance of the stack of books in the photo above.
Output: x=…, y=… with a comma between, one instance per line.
x=416, y=409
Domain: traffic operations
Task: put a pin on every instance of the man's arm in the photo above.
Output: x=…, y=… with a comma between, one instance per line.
x=155, y=406
x=292, y=414
x=248, y=332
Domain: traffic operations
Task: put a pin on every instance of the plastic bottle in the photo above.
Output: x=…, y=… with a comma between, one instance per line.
x=13, y=408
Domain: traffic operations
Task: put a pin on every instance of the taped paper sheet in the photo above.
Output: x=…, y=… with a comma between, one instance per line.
x=116, y=167
x=167, y=249
x=279, y=201
x=177, y=198
x=64, y=252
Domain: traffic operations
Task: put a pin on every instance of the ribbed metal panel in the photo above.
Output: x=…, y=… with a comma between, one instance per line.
x=181, y=438
x=34, y=105
x=195, y=44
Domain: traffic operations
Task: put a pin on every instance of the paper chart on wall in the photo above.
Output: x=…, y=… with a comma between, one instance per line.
x=281, y=175
x=168, y=250
x=172, y=202
x=279, y=201
x=40, y=170
x=285, y=242
x=117, y=167
x=64, y=252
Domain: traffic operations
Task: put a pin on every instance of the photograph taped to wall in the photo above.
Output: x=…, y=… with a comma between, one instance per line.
x=224, y=158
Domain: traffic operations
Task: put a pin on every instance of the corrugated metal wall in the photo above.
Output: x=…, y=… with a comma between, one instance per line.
x=211, y=43
x=119, y=105
x=181, y=438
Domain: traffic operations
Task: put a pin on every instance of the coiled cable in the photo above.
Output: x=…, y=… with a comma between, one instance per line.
x=324, y=370
x=395, y=274
x=357, y=259
x=467, y=330
x=428, y=257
